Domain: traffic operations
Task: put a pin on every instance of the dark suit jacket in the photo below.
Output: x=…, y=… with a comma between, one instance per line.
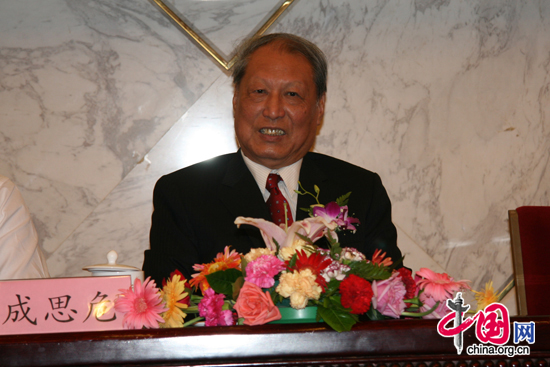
x=195, y=209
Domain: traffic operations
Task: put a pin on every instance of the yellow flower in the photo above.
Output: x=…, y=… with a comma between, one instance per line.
x=286, y=253
x=487, y=296
x=256, y=253
x=172, y=293
x=300, y=286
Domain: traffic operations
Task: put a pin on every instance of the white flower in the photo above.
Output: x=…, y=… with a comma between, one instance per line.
x=352, y=254
x=336, y=270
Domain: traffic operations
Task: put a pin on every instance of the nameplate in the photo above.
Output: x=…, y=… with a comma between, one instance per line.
x=60, y=305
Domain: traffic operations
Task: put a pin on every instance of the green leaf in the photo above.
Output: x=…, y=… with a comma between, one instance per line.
x=305, y=238
x=374, y=314
x=335, y=248
x=276, y=245
x=292, y=261
x=244, y=264
x=222, y=281
x=343, y=200
x=276, y=297
x=336, y=316
x=332, y=287
x=369, y=271
x=237, y=287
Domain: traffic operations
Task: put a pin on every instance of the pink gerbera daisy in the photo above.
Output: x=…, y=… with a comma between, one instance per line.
x=141, y=306
x=440, y=286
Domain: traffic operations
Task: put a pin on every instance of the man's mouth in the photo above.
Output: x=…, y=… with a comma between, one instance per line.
x=272, y=132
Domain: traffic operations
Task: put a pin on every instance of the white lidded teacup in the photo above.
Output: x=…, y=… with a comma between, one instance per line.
x=114, y=269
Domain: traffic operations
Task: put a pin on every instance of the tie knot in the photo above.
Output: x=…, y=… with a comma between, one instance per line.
x=273, y=181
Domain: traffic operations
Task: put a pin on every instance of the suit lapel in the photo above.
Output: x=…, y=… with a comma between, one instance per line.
x=239, y=191
x=310, y=175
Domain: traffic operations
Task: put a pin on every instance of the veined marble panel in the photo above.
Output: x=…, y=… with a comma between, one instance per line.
x=122, y=221
x=87, y=89
x=447, y=100
x=224, y=24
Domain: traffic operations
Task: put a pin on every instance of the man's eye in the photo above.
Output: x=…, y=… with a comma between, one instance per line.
x=259, y=91
x=293, y=94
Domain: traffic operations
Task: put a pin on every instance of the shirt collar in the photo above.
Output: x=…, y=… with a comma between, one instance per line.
x=290, y=175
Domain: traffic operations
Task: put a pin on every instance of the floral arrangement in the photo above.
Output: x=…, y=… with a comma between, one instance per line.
x=291, y=271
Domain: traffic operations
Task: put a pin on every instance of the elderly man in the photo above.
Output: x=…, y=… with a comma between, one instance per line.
x=278, y=105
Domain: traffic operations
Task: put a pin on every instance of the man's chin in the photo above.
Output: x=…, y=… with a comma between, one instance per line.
x=270, y=159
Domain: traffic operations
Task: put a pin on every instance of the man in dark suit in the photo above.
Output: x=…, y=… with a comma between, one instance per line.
x=278, y=105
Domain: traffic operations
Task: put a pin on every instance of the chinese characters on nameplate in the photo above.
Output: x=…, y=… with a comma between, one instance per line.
x=60, y=305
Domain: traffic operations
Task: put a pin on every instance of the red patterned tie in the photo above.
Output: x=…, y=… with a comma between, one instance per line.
x=276, y=202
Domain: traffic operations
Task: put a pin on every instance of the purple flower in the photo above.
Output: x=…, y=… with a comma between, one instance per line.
x=389, y=295
x=210, y=307
x=335, y=213
x=330, y=212
x=262, y=271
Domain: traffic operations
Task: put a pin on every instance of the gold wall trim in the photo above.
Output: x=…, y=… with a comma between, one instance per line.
x=227, y=65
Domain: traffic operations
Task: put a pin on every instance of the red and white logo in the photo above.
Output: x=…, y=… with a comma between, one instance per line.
x=492, y=329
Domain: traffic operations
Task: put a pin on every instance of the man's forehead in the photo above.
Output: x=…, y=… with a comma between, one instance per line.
x=267, y=60
x=278, y=49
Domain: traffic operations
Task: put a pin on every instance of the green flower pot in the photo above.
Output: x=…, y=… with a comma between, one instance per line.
x=291, y=316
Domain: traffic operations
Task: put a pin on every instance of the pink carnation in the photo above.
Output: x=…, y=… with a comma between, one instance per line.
x=262, y=271
x=429, y=302
x=210, y=307
x=389, y=295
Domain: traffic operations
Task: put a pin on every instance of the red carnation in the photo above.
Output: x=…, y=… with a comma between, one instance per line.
x=356, y=294
x=409, y=282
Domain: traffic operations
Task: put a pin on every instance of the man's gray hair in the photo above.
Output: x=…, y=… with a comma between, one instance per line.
x=289, y=43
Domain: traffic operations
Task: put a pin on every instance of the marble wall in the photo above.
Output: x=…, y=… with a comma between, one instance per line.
x=449, y=101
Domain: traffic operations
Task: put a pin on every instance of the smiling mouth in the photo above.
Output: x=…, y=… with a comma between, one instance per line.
x=272, y=132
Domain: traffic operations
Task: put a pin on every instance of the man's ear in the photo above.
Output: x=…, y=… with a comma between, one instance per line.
x=235, y=97
x=321, y=108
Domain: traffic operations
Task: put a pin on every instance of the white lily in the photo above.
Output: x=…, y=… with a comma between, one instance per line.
x=312, y=228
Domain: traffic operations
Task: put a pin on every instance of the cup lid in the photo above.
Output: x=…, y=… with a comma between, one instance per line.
x=111, y=265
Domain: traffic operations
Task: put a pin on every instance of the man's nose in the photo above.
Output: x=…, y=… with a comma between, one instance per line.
x=274, y=108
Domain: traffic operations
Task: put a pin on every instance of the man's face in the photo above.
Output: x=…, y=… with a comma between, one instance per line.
x=275, y=107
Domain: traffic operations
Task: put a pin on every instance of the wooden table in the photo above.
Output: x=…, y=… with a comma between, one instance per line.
x=392, y=343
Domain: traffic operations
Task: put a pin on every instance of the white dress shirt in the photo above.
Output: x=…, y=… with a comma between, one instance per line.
x=20, y=255
x=289, y=174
